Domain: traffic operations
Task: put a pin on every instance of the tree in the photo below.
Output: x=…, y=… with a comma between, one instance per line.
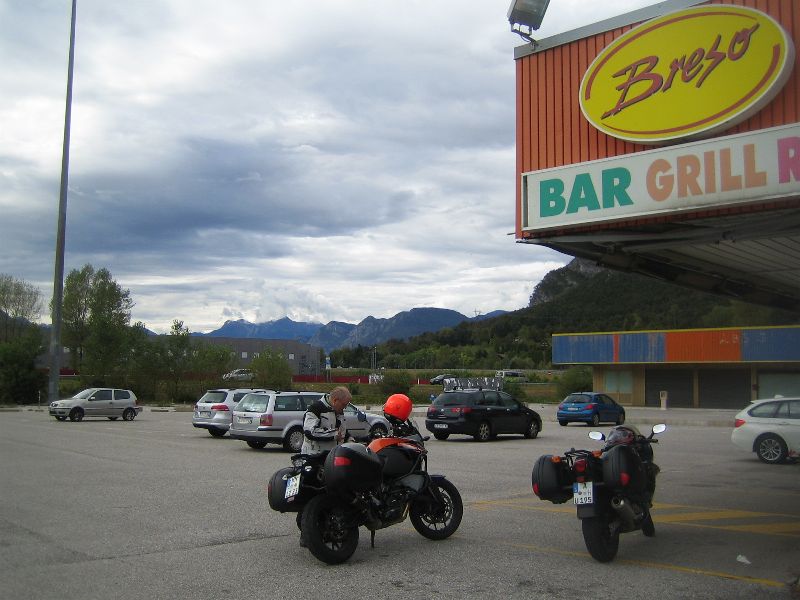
x=177, y=356
x=95, y=321
x=395, y=382
x=272, y=370
x=20, y=304
x=20, y=381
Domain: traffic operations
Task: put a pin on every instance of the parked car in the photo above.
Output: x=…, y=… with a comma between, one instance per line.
x=111, y=403
x=770, y=428
x=512, y=376
x=591, y=408
x=215, y=409
x=482, y=414
x=439, y=379
x=277, y=418
x=239, y=375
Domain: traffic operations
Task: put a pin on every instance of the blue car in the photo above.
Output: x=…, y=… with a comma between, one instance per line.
x=591, y=408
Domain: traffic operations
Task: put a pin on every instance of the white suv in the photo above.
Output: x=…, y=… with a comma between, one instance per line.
x=277, y=418
x=214, y=410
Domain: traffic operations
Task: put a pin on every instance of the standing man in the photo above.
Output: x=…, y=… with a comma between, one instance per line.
x=321, y=424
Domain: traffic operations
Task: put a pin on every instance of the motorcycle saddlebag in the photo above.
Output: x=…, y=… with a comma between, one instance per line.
x=623, y=470
x=276, y=492
x=351, y=467
x=551, y=480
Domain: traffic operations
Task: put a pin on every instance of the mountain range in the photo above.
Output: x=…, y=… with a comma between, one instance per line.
x=337, y=334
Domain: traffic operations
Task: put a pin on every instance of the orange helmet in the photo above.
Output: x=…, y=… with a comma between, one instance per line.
x=398, y=406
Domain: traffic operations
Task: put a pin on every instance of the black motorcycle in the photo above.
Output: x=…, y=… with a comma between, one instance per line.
x=375, y=486
x=611, y=488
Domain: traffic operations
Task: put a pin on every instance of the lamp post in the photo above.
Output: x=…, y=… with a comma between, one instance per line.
x=58, y=276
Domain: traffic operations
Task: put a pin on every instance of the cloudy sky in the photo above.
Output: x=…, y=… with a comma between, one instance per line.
x=322, y=160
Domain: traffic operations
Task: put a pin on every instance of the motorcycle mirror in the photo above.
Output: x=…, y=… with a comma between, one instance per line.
x=362, y=417
x=596, y=435
x=660, y=428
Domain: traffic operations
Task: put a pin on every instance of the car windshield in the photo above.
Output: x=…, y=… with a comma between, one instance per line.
x=253, y=403
x=456, y=399
x=577, y=399
x=213, y=397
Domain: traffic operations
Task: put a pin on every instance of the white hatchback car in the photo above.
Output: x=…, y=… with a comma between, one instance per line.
x=97, y=402
x=770, y=428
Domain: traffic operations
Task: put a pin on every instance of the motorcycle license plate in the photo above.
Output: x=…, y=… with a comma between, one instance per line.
x=440, y=426
x=292, y=486
x=583, y=493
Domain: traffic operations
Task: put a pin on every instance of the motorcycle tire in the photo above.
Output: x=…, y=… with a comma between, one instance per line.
x=438, y=520
x=325, y=532
x=601, y=543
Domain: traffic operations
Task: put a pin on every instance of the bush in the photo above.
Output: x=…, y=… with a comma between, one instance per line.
x=515, y=389
x=575, y=379
x=395, y=382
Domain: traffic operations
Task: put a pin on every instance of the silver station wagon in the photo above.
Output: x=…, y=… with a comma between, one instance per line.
x=277, y=418
x=111, y=403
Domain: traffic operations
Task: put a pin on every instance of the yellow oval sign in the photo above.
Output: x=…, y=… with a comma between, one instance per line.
x=690, y=73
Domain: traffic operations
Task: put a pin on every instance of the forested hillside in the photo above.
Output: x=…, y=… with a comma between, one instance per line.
x=577, y=298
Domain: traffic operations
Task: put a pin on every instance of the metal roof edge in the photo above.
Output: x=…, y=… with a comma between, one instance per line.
x=636, y=16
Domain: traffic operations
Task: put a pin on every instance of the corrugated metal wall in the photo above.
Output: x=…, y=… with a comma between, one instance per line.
x=769, y=344
x=552, y=131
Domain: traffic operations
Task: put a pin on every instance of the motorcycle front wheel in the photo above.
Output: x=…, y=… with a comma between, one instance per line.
x=601, y=542
x=438, y=518
x=327, y=529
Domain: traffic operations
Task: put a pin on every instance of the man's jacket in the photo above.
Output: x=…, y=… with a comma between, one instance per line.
x=323, y=429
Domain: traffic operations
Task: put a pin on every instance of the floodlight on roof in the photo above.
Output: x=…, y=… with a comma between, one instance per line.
x=526, y=16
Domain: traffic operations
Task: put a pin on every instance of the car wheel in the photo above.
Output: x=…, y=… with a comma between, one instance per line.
x=563, y=423
x=621, y=418
x=128, y=414
x=595, y=420
x=533, y=430
x=771, y=449
x=484, y=432
x=217, y=433
x=256, y=444
x=378, y=430
x=76, y=414
x=293, y=442
x=441, y=436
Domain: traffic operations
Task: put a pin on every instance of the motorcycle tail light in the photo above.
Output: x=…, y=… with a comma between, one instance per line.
x=341, y=461
x=536, y=489
x=265, y=420
x=220, y=407
x=624, y=479
x=580, y=466
x=738, y=423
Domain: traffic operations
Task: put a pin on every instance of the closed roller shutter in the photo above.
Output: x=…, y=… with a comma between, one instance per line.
x=677, y=383
x=723, y=388
x=773, y=384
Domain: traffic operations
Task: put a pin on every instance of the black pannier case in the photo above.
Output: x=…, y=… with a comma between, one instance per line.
x=351, y=467
x=553, y=480
x=619, y=460
x=277, y=492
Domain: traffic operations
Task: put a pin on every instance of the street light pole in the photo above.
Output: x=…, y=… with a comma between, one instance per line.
x=58, y=276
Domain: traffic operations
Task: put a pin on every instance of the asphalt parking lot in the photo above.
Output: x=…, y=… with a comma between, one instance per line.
x=157, y=509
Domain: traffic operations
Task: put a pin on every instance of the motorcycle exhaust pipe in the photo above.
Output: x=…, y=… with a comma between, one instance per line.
x=625, y=512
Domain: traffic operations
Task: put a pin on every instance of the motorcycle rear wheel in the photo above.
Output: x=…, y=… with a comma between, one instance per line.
x=601, y=543
x=325, y=530
x=438, y=520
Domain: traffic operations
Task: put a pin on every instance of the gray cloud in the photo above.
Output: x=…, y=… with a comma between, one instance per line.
x=325, y=161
